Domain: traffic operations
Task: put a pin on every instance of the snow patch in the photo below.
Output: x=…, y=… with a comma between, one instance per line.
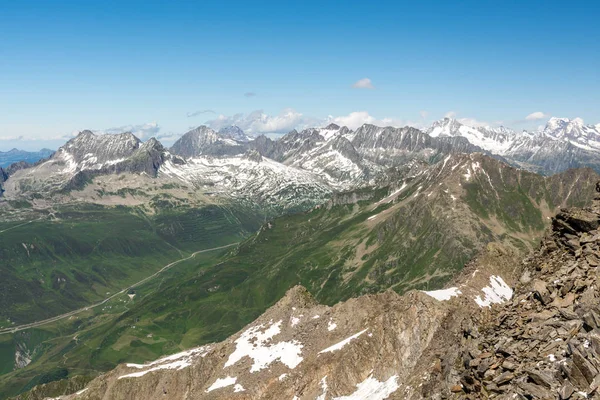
x=221, y=383
x=372, y=389
x=175, y=361
x=331, y=325
x=323, y=395
x=443, y=294
x=344, y=342
x=254, y=343
x=497, y=292
x=468, y=174
x=238, y=388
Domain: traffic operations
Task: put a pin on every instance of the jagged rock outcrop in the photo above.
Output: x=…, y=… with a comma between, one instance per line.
x=233, y=132
x=545, y=343
x=3, y=175
x=204, y=141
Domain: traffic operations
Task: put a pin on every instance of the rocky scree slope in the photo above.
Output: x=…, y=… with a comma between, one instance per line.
x=545, y=342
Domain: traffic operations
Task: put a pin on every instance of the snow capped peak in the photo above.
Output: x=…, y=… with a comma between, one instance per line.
x=574, y=131
x=85, y=133
x=233, y=132
x=443, y=127
x=205, y=141
x=332, y=127
x=577, y=121
x=555, y=123
x=495, y=140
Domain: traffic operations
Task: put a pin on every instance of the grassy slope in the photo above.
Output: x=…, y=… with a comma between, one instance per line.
x=52, y=266
x=335, y=251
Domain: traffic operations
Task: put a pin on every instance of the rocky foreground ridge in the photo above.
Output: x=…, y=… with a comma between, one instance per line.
x=545, y=343
x=505, y=330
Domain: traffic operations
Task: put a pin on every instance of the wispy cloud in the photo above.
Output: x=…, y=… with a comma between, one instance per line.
x=200, y=112
x=535, y=116
x=469, y=121
x=450, y=114
x=259, y=122
x=364, y=83
x=356, y=119
x=143, y=131
x=250, y=94
x=12, y=138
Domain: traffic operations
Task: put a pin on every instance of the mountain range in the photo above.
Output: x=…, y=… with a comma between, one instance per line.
x=502, y=329
x=342, y=212
x=14, y=156
x=315, y=160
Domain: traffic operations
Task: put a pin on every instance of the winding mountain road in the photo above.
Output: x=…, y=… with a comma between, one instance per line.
x=14, y=329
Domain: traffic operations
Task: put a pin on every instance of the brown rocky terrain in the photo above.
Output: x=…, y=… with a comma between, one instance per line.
x=480, y=338
x=545, y=342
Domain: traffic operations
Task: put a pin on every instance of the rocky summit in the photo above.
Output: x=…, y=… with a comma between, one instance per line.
x=545, y=343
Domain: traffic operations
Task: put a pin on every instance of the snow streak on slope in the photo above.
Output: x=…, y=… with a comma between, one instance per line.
x=257, y=344
x=372, y=389
x=444, y=294
x=497, y=292
x=340, y=345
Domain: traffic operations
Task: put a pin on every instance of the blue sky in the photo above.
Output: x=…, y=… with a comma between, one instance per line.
x=161, y=67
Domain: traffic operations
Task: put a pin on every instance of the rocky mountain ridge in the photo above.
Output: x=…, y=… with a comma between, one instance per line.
x=503, y=330
x=560, y=145
x=298, y=171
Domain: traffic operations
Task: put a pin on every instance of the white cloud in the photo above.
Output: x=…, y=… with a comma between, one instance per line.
x=475, y=123
x=356, y=119
x=258, y=122
x=536, y=116
x=364, y=83
x=199, y=112
x=450, y=114
x=424, y=114
x=11, y=138
x=353, y=120
x=143, y=131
